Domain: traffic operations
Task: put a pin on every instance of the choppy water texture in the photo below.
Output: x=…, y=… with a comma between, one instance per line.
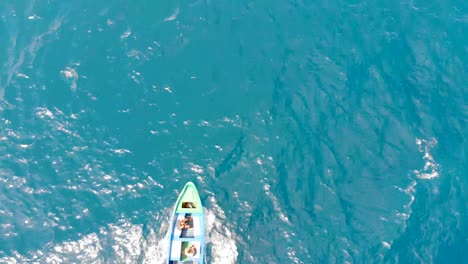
x=316, y=132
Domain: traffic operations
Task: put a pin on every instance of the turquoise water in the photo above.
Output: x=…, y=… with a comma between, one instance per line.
x=316, y=132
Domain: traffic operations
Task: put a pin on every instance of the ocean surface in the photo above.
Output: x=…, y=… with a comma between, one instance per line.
x=315, y=131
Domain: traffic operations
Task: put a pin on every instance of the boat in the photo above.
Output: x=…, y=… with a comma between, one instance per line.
x=187, y=229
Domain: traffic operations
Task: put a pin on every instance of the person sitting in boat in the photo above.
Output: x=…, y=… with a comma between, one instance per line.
x=190, y=251
x=188, y=205
x=185, y=223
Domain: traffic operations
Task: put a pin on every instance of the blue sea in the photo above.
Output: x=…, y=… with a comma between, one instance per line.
x=315, y=131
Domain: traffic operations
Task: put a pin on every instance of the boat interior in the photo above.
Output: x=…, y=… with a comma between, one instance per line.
x=185, y=247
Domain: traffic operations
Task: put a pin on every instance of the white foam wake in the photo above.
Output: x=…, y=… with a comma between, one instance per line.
x=117, y=243
x=220, y=239
x=125, y=242
x=431, y=167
